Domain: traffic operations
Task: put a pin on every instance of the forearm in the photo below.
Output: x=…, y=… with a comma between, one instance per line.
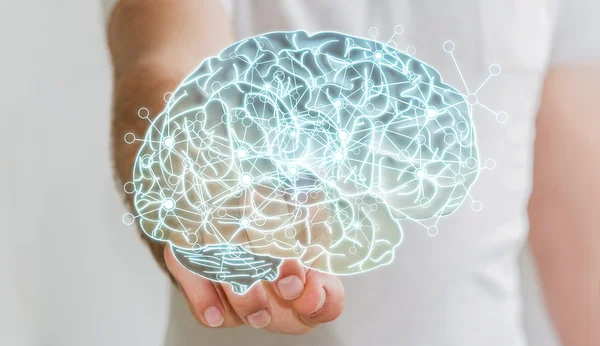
x=565, y=236
x=154, y=45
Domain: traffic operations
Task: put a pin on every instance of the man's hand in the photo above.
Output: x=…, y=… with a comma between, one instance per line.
x=154, y=45
x=298, y=301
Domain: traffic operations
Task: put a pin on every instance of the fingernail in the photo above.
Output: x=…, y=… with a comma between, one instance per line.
x=290, y=287
x=259, y=319
x=321, y=302
x=213, y=316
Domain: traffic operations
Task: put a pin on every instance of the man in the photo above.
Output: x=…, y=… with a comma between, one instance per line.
x=461, y=287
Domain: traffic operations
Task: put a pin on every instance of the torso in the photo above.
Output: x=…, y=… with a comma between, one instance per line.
x=460, y=287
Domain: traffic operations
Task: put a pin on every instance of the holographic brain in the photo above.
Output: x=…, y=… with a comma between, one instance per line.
x=313, y=147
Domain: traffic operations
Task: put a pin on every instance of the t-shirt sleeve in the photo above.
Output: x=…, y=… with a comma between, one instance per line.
x=577, y=32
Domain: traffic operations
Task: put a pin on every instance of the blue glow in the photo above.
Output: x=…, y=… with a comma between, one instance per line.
x=315, y=147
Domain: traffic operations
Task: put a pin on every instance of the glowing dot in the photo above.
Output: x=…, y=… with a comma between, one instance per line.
x=293, y=134
x=293, y=170
x=338, y=156
x=337, y=103
x=378, y=55
x=242, y=153
x=246, y=179
x=244, y=222
x=357, y=225
x=168, y=204
x=169, y=142
x=420, y=174
x=431, y=112
x=343, y=135
x=267, y=86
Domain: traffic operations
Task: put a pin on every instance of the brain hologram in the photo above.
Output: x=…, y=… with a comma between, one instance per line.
x=314, y=147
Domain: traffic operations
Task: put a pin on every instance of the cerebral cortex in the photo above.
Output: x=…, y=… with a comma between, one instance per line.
x=311, y=147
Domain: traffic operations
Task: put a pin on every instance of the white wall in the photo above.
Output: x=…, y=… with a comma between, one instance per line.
x=72, y=273
x=76, y=274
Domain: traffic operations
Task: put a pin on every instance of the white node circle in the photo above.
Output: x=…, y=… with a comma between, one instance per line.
x=129, y=138
x=420, y=174
x=343, y=135
x=378, y=55
x=338, y=156
x=432, y=231
x=244, y=222
x=495, y=69
x=168, y=204
x=169, y=142
x=241, y=153
x=431, y=112
x=502, y=117
x=128, y=219
x=472, y=99
x=246, y=179
x=449, y=46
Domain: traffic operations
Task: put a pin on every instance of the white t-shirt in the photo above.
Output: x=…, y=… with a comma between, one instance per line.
x=462, y=286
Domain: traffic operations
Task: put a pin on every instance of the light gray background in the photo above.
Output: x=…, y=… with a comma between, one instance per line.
x=72, y=273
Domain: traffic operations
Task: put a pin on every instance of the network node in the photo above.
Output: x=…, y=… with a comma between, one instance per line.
x=472, y=99
x=246, y=179
x=420, y=174
x=169, y=142
x=343, y=135
x=242, y=153
x=432, y=112
x=168, y=204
